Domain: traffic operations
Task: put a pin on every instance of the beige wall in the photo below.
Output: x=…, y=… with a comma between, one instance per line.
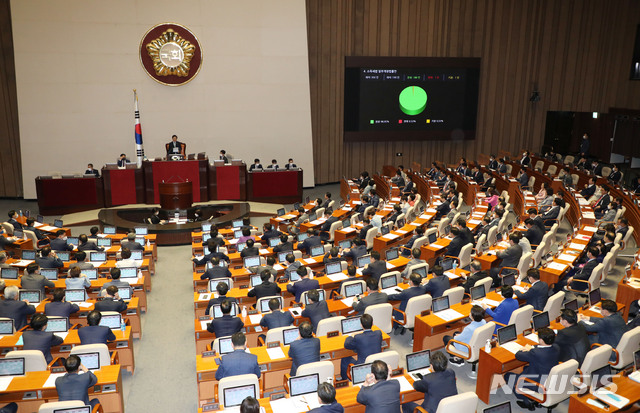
x=77, y=64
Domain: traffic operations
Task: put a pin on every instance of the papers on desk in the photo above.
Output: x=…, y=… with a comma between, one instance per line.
x=425, y=216
x=583, y=237
x=5, y=382
x=503, y=244
x=97, y=263
x=296, y=312
x=448, y=314
x=588, y=215
x=316, y=222
x=451, y=274
x=22, y=263
x=431, y=210
x=348, y=229
x=51, y=381
x=275, y=353
x=48, y=228
x=557, y=266
x=390, y=236
x=203, y=324
x=486, y=301
x=84, y=305
x=339, y=276
x=348, y=301
x=533, y=337
x=512, y=346
x=567, y=257
x=233, y=241
x=356, y=202
x=346, y=208
x=595, y=309
x=401, y=231
x=576, y=246
x=587, y=322
x=634, y=282
x=436, y=246
x=519, y=288
x=309, y=260
x=389, y=265
x=279, y=219
x=255, y=318
x=590, y=228
x=611, y=398
x=474, y=221
x=391, y=290
x=415, y=224
x=62, y=335
x=295, y=404
x=278, y=267
x=263, y=251
x=204, y=297
x=404, y=384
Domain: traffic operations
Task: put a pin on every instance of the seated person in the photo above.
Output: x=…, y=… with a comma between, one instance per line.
x=270, y=232
x=74, y=386
x=284, y=245
x=502, y=313
x=33, y=280
x=222, y=289
x=238, y=361
x=378, y=393
x=48, y=259
x=30, y=227
x=270, y=262
x=609, y=328
x=266, y=289
x=256, y=165
x=13, y=220
x=477, y=320
x=85, y=245
x=437, y=285
x=332, y=256
x=155, y=217
x=316, y=310
x=327, y=399
x=414, y=290
x=276, y=318
x=114, y=273
x=456, y=244
x=212, y=245
x=93, y=332
x=358, y=249
x=305, y=349
x=302, y=285
x=59, y=243
x=250, y=250
x=38, y=339
x=291, y=265
x=76, y=280
x=59, y=307
x=436, y=386
x=111, y=301
x=418, y=233
x=274, y=165
x=227, y=324
x=376, y=267
x=415, y=260
x=131, y=243
x=325, y=229
x=312, y=241
x=538, y=293
x=572, y=341
x=364, y=344
x=126, y=260
x=373, y=297
x=82, y=261
x=290, y=164
x=246, y=235
x=510, y=258
x=476, y=275
x=175, y=147
x=15, y=309
x=216, y=271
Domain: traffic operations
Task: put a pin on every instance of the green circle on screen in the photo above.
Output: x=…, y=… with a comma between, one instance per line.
x=413, y=100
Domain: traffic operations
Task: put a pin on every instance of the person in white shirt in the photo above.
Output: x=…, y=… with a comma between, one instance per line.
x=126, y=260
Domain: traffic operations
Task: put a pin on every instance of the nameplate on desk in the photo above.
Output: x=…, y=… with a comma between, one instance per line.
x=210, y=353
x=237, y=267
x=210, y=407
x=252, y=312
x=397, y=372
x=273, y=344
x=204, y=317
x=277, y=396
x=58, y=370
x=202, y=291
x=297, y=305
x=333, y=334
x=244, y=287
x=341, y=383
x=425, y=312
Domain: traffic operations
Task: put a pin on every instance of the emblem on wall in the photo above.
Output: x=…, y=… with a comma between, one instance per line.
x=170, y=54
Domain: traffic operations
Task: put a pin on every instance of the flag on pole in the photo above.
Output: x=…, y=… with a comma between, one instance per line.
x=138, y=131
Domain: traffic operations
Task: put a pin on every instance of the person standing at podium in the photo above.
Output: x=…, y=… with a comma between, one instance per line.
x=175, y=147
x=223, y=156
x=122, y=160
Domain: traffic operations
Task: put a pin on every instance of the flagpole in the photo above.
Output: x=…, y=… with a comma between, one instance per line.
x=138, y=131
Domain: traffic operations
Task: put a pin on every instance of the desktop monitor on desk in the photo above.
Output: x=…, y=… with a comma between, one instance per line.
x=447, y=264
x=225, y=345
x=422, y=271
x=321, y=297
x=317, y=251
x=205, y=226
x=571, y=305
x=273, y=241
x=125, y=293
x=128, y=272
x=282, y=255
x=388, y=281
x=57, y=223
x=253, y=261
x=217, y=311
x=364, y=260
x=91, y=273
x=280, y=212
x=345, y=243
x=353, y=290
x=504, y=407
x=109, y=230
x=255, y=279
x=71, y=240
x=433, y=237
x=63, y=255
x=238, y=223
x=141, y=230
x=113, y=321
x=303, y=236
x=418, y=360
x=136, y=255
x=97, y=256
x=264, y=305
x=509, y=280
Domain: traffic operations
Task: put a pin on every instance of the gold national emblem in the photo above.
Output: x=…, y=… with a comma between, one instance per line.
x=171, y=54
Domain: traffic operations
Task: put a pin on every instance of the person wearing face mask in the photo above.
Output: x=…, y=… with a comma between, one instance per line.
x=526, y=160
x=584, y=144
x=59, y=243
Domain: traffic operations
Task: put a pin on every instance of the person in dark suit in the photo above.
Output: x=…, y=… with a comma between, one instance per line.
x=59, y=243
x=622, y=226
x=609, y=328
x=111, y=301
x=456, y=244
x=601, y=205
x=305, y=349
x=415, y=260
x=33, y=280
x=276, y=318
x=525, y=160
x=533, y=233
x=538, y=293
x=291, y=265
x=175, y=147
x=222, y=289
x=85, y=245
x=227, y=324
x=38, y=339
x=223, y=156
x=537, y=220
x=132, y=244
x=376, y=267
x=366, y=226
x=572, y=341
x=316, y=310
x=238, y=361
x=312, y=241
x=477, y=175
x=596, y=168
x=414, y=290
x=325, y=234
x=155, y=217
x=302, y=285
x=212, y=245
x=436, y=386
x=589, y=189
x=29, y=227
x=268, y=231
x=476, y=275
x=93, y=332
x=74, y=386
x=256, y=165
x=584, y=144
x=358, y=249
x=327, y=399
x=13, y=215
x=122, y=160
x=16, y=310
x=510, y=258
x=332, y=256
x=378, y=394
x=373, y=297
x=541, y=358
x=250, y=250
x=290, y=164
x=493, y=164
x=552, y=213
x=437, y=285
x=443, y=209
x=274, y=165
x=419, y=232
x=82, y=262
x=284, y=245
x=502, y=167
x=216, y=271
x=364, y=344
x=615, y=175
x=48, y=259
x=582, y=274
x=523, y=179
x=59, y=307
x=502, y=312
x=266, y=289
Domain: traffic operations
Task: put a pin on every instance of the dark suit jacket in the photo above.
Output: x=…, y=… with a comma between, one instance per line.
x=316, y=312
x=493, y=164
x=132, y=246
x=274, y=233
x=406, y=295
x=303, y=351
x=219, y=300
x=308, y=243
x=442, y=209
x=36, y=231
x=16, y=224
x=334, y=407
x=373, y=298
x=375, y=269
x=73, y=386
x=41, y=340
x=36, y=282
x=287, y=246
x=364, y=344
x=356, y=252
x=364, y=230
x=382, y=397
x=572, y=343
x=511, y=256
x=583, y=274
x=536, y=295
x=216, y=272
x=237, y=362
x=552, y=213
x=603, y=202
x=437, y=286
x=60, y=309
x=227, y=325
x=49, y=262
x=615, y=176
x=472, y=279
x=90, y=246
x=95, y=335
x=277, y=319
x=524, y=179
x=436, y=386
x=609, y=329
x=456, y=244
x=265, y=289
x=58, y=244
x=588, y=191
x=16, y=310
x=298, y=287
x=109, y=304
x=250, y=252
x=541, y=360
x=534, y=235
x=502, y=169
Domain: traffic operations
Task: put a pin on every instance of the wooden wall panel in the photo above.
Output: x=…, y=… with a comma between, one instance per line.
x=577, y=52
x=10, y=159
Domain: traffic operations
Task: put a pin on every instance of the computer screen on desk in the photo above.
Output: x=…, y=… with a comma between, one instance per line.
x=392, y=254
x=240, y=246
x=418, y=360
x=364, y=260
x=125, y=293
x=255, y=280
x=333, y=268
x=282, y=255
x=359, y=373
x=388, y=281
x=594, y=297
x=91, y=273
x=28, y=254
x=112, y=321
x=237, y=233
x=75, y=296
x=213, y=284
x=540, y=320
x=303, y=236
x=433, y=237
x=300, y=385
x=225, y=344
x=273, y=241
x=97, y=256
x=499, y=408
x=280, y=212
x=636, y=359
x=422, y=271
x=507, y=334
x=90, y=360
x=57, y=325
x=104, y=242
x=253, y=261
x=109, y=230
x=49, y=273
x=63, y=255
x=217, y=312
x=385, y=230
x=264, y=305
x=233, y=396
x=351, y=325
x=12, y=366
x=9, y=273
x=6, y=327
x=601, y=377
x=321, y=297
x=136, y=255
x=57, y=223
x=33, y=296
x=289, y=335
x=477, y=292
x=571, y=304
x=345, y=243
x=351, y=290
x=238, y=223
x=440, y=304
x=317, y=251
x=128, y=272
x=447, y=264
x=83, y=409
x=509, y=279
x=205, y=226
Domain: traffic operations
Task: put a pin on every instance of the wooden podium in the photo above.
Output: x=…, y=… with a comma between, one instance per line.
x=175, y=195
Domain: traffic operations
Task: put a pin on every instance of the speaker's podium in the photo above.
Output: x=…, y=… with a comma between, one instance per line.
x=175, y=195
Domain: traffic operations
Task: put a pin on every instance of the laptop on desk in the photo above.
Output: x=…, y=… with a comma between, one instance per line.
x=507, y=337
x=333, y=268
x=213, y=283
x=635, y=376
x=353, y=290
x=351, y=325
x=9, y=273
x=50, y=274
x=600, y=380
x=75, y=295
x=359, y=373
x=477, y=293
x=33, y=296
x=12, y=367
x=83, y=409
x=128, y=272
x=540, y=320
x=392, y=254
x=389, y=284
x=418, y=363
x=90, y=360
x=504, y=407
x=233, y=396
x=440, y=304
x=289, y=335
x=6, y=327
x=317, y=251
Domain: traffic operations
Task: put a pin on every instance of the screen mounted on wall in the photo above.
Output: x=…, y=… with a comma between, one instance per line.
x=410, y=98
